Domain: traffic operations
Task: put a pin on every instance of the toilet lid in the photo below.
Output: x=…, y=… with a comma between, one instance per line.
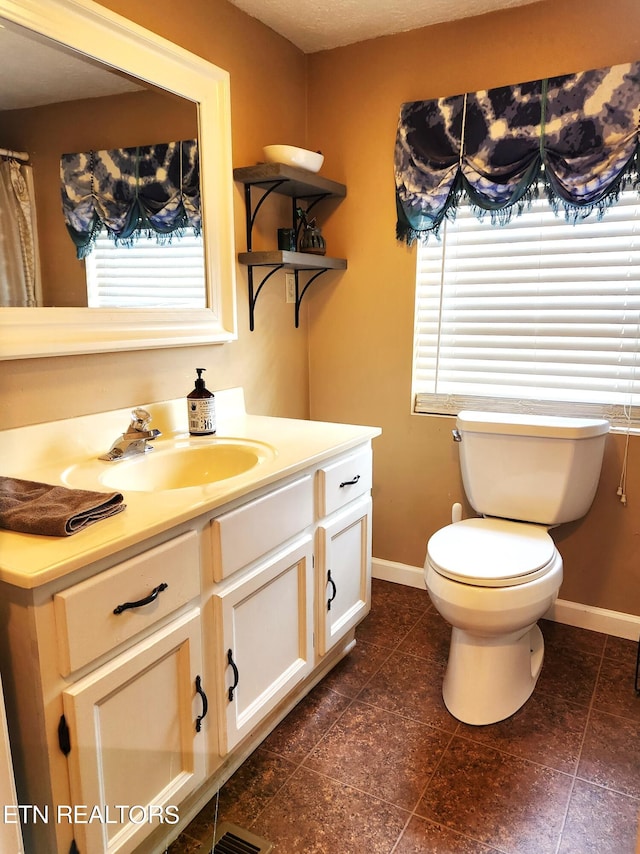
x=491, y=552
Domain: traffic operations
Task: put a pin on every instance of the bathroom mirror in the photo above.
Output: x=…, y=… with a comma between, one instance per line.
x=53, y=101
x=152, y=63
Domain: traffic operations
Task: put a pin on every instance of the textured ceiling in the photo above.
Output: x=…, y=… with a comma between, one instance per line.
x=36, y=72
x=314, y=25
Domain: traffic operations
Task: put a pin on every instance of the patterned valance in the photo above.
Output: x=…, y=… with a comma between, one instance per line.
x=131, y=191
x=577, y=134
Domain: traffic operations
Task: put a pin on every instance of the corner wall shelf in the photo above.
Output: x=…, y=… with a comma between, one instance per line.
x=299, y=185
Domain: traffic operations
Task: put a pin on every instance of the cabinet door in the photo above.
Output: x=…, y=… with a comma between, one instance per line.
x=265, y=646
x=135, y=749
x=343, y=572
x=10, y=835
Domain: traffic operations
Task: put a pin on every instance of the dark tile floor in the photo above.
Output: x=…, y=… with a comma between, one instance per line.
x=371, y=762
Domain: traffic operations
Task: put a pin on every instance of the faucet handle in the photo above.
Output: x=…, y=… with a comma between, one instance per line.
x=140, y=419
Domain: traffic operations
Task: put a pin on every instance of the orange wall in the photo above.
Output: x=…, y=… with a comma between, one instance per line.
x=361, y=323
x=268, y=97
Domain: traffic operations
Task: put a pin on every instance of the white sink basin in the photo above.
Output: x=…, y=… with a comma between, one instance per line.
x=176, y=466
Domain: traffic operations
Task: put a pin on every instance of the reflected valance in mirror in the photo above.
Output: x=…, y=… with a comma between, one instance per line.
x=150, y=190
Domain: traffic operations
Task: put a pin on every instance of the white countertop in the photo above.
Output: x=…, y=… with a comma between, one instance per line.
x=43, y=452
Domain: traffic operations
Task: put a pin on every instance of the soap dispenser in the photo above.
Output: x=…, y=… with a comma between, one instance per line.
x=201, y=406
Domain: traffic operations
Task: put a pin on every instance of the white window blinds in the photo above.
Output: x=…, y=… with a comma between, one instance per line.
x=536, y=315
x=148, y=274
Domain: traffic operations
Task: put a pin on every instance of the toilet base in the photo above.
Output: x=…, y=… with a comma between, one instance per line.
x=490, y=678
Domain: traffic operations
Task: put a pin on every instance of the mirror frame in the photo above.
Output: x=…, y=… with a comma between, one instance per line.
x=100, y=34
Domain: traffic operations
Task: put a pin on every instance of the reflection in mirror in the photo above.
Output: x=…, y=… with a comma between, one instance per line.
x=20, y=283
x=72, y=104
x=155, y=92
x=148, y=273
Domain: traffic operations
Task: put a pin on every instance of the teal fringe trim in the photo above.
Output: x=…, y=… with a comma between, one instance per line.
x=406, y=233
x=628, y=178
x=143, y=232
x=504, y=215
x=88, y=241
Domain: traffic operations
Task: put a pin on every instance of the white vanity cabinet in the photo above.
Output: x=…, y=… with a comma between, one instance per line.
x=110, y=700
x=95, y=616
x=141, y=681
x=343, y=557
x=291, y=588
x=265, y=638
x=263, y=607
x=344, y=572
x=10, y=834
x=134, y=730
x=134, y=723
x=295, y=573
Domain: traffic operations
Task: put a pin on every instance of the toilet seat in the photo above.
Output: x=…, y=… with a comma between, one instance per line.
x=487, y=552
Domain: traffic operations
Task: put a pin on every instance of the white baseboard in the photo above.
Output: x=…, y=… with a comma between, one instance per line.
x=399, y=573
x=614, y=623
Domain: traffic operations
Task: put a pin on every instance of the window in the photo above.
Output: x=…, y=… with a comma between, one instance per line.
x=147, y=274
x=538, y=315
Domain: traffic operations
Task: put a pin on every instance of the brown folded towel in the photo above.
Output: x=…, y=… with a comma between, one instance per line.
x=55, y=511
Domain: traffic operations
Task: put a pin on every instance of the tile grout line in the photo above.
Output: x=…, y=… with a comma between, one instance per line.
x=415, y=814
x=288, y=777
x=352, y=700
x=412, y=812
x=582, y=741
x=517, y=756
x=300, y=764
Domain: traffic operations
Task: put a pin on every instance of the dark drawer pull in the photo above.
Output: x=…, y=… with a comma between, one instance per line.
x=236, y=675
x=350, y=482
x=205, y=704
x=335, y=590
x=146, y=601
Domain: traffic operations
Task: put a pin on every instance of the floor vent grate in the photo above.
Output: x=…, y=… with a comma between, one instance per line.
x=231, y=839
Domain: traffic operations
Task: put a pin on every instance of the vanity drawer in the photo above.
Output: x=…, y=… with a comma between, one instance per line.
x=342, y=481
x=245, y=534
x=86, y=624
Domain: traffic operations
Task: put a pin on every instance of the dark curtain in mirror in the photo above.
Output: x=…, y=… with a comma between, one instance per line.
x=151, y=190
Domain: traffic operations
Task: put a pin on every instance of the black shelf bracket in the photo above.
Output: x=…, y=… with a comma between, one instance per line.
x=252, y=212
x=305, y=191
x=254, y=292
x=301, y=293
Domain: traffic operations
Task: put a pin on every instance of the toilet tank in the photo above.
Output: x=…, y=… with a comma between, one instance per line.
x=532, y=468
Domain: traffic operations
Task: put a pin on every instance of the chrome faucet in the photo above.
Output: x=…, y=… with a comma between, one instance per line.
x=135, y=440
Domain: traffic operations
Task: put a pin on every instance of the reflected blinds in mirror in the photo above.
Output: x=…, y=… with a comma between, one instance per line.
x=151, y=190
x=148, y=274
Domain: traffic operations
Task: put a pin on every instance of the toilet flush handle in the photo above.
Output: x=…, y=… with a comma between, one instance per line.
x=456, y=436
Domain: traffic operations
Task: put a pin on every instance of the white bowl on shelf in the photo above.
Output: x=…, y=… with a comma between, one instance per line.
x=290, y=155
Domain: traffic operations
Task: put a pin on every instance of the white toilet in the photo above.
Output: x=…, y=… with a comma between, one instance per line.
x=493, y=577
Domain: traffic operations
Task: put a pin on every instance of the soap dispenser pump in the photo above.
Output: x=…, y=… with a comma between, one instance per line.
x=201, y=406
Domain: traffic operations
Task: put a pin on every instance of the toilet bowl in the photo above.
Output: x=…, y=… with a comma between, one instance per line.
x=494, y=576
x=492, y=580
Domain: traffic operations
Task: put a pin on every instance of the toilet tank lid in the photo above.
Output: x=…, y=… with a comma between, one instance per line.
x=512, y=424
